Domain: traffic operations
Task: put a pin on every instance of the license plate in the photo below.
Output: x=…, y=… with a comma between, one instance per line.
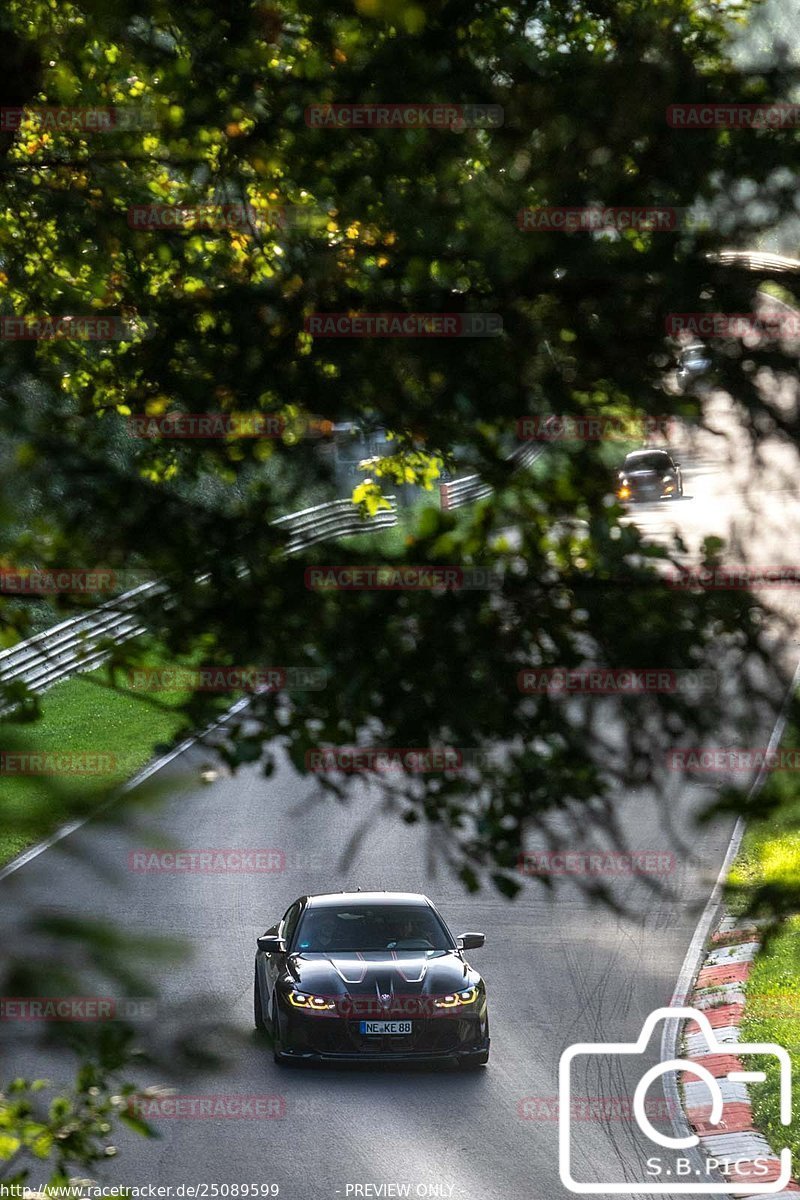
x=384, y=1027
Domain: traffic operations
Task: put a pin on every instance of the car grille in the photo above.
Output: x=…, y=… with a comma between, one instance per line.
x=438, y=1036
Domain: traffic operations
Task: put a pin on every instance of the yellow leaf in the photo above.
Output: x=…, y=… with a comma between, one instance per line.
x=8, y=1145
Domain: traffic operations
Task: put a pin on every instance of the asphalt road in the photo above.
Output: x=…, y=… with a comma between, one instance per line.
x=558, y=968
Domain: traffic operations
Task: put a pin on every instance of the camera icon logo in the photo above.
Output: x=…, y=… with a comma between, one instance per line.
x=605, y=1050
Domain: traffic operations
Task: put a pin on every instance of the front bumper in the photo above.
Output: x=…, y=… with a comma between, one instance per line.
x=642, y=495
x=340, y=1039
x=414, y=1056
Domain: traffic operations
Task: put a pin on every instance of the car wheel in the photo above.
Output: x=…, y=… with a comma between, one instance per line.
x=258, y=1016
x=277, y=1056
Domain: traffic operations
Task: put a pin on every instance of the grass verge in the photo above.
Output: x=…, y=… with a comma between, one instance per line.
x=82, y=714
x=770, y=855
x=390, y=542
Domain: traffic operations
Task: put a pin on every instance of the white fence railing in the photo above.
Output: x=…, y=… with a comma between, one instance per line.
x=755, y=260
x=470, y=488
x=81, y=643
x=337, y=519
x=78, y=644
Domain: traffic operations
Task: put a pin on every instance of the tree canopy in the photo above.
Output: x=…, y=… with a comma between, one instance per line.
x=214, y=106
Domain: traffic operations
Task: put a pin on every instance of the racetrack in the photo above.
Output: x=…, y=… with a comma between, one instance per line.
x=558, y=968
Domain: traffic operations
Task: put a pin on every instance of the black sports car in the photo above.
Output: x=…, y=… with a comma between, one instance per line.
x=650, y=475
x=370, y=976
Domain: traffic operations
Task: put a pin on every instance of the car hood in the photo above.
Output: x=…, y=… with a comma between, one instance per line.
x=379, y=971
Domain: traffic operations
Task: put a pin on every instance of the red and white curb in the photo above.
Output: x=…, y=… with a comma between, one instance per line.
x=719, y=993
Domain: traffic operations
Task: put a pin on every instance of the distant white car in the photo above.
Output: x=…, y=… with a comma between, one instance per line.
x=693, y=362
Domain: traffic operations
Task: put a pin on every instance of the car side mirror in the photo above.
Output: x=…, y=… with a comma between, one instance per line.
x=272, y=945
x=470, y=941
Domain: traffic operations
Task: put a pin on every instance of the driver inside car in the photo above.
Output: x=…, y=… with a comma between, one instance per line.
x=325, y=936
x=412, y=930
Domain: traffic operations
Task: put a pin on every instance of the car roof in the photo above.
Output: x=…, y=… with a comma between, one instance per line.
x=329, y=899
x=649, y=450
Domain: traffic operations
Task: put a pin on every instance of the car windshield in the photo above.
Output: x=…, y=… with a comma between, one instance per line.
x=656, y=460
x=331, y=929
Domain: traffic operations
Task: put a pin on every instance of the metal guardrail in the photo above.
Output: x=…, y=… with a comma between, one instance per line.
x=755, y=260
x=340, y=518
x=471, y=487
x=463, y=491
x=81, y=643
x=75, y=645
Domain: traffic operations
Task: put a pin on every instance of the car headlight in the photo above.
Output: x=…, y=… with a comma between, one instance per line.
x=310, y=1003
x=457, y=999
x=624, y=492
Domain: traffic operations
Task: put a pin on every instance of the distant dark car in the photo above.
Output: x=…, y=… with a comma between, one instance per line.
x=370, y=977
x=650, y=475
x=694, y=361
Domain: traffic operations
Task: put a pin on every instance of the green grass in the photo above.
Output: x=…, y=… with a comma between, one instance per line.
x=81, y=714
x=770, y=850
x=772, y=1014
x=391, y=542
x=770, y=855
